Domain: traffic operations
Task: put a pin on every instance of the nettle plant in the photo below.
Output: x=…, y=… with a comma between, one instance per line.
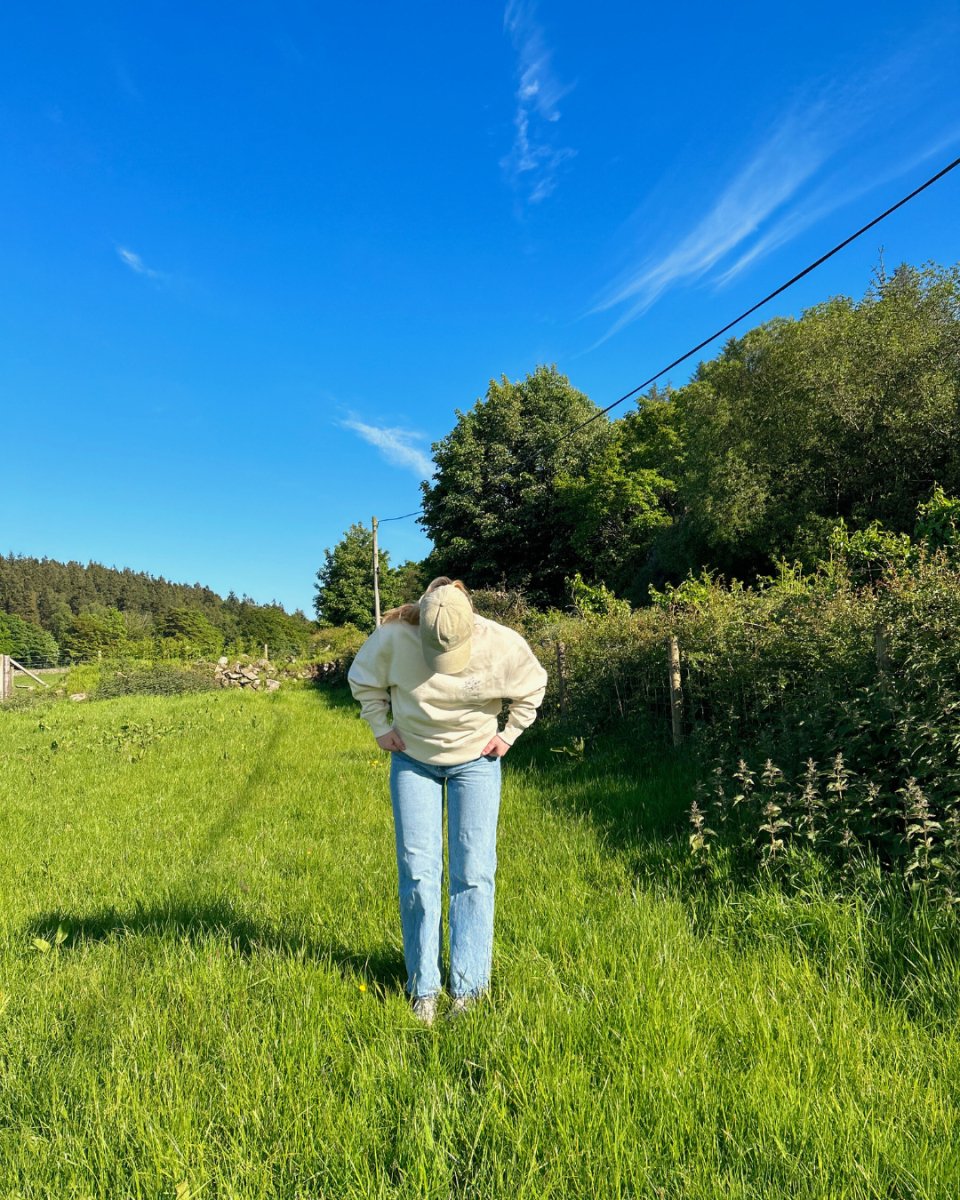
x=766, y=818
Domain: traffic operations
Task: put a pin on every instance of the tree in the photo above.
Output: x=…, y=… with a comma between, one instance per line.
x=51, y=594
x=27, y=642
x=95, y=633
x=412, y=578
x=269, y=625
x=494, y=510
x=852, y=412
x=616, y=508
x=345, y=582
x=186, y=633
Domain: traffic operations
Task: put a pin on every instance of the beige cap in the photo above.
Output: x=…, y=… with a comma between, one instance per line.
x=446, y=629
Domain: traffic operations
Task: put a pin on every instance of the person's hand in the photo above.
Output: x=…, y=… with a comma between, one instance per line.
x=496, y=747
x=391, y=741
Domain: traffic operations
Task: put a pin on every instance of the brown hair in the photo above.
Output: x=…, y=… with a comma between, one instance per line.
x=411, y=612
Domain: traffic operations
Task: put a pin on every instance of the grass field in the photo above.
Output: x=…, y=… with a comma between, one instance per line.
x=221, y=1011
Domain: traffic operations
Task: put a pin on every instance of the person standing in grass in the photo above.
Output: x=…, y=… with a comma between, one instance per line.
x=431, y=682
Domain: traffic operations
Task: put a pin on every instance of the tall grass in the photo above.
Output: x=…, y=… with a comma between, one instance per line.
x=200, y=984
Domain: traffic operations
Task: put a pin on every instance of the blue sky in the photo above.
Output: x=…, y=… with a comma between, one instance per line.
x=253, y=260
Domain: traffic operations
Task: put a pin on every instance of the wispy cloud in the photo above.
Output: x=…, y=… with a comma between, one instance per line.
x=825, y=152
x=825, y=200
x=535, y=159
x=137, y=265
x=398, y=446
x=787, y=159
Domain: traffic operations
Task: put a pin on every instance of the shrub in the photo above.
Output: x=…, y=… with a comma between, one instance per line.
x=126, y=677
x=84, y=678
x=95, y=633
x=27, y=642
x=770, y=668
x=333, y=643
x=508, y=606
x=605, y=670
x=830, y=702
x=155, y=679
x=187, y=633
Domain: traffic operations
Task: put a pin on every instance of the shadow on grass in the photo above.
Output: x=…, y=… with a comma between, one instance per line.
x=216, y=921
x=636, y=793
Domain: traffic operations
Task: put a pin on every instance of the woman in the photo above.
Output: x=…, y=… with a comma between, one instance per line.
x=443, y=673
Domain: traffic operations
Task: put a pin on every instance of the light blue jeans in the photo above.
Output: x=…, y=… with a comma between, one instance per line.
x=473, y=804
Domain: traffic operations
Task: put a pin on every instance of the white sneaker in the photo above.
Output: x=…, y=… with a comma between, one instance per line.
x=462, y=1004
x=425, y=1009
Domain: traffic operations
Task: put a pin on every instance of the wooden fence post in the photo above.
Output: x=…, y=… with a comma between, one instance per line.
x=676, y=690
x=6, y=676
x=562, y=678
x=880, y=648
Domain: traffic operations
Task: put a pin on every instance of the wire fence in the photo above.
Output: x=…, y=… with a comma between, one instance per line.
x=34, y=661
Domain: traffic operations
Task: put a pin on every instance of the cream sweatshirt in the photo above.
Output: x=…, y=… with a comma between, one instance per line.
x=447, y=719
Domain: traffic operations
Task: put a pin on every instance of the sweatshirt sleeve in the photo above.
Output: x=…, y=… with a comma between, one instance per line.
x=526, y=686
x=369, y=681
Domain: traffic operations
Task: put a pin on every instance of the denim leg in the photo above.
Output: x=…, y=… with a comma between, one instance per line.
x=417, y=795
x=473, y=804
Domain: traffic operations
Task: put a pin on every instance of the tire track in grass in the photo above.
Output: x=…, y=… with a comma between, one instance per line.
x=182, y=906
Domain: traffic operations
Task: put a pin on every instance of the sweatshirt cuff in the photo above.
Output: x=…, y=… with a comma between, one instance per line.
x=380, y=726
x=510, y=734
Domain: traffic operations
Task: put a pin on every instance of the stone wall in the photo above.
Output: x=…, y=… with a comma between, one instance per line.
x=261, y=675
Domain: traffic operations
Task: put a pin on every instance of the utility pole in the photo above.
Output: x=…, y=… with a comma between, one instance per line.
x=376, y=573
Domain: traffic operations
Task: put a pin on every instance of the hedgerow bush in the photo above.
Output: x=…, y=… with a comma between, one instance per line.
x=802, y=665
x=872, y=673
x=27, y=642
x=915, y=699
x=332, y=643
x=508, y=607
x=156, y=679
x=771, y=667
x=605, y=670
x=125, y=677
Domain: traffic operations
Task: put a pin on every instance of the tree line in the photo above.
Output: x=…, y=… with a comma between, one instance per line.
x=849, y=413
x=51, y=610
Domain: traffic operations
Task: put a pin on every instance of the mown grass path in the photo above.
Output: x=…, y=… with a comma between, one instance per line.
x=223, y=1016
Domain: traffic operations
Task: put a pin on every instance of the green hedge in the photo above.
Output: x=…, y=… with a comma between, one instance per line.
x=143, y=678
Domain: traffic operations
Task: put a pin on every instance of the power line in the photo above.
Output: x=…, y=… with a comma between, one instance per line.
x=746, y=313
x=403, y=518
